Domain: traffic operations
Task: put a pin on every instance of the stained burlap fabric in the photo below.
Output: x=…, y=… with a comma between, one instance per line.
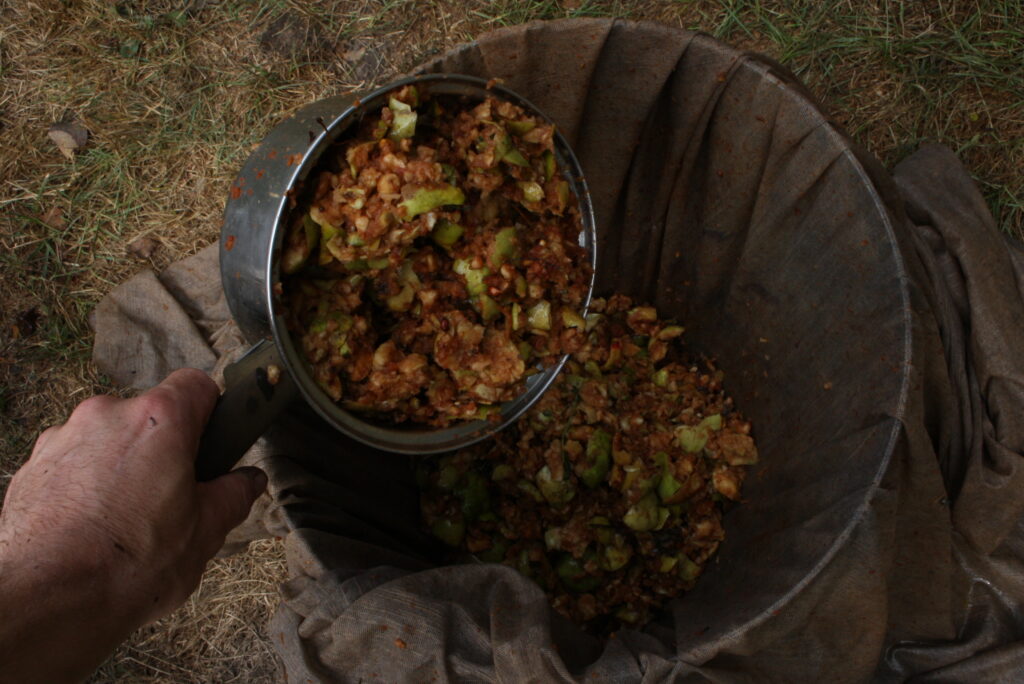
x=866, y=322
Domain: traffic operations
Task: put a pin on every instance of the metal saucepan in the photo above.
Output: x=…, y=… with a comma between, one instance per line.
x=273, y=373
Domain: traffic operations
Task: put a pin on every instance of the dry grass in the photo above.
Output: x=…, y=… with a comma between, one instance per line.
x=217, y=636
x=176, y=92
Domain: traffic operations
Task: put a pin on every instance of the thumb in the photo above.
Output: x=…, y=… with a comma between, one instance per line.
x=225, y=502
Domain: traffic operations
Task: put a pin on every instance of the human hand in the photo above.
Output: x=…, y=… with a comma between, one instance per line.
x=107, y=508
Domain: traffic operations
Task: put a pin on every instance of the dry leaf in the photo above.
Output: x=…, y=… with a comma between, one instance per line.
x=143, y=247
x=68, y=137
x=353, y=55
x=572, y=4
x=366, y=57
x=54, y=217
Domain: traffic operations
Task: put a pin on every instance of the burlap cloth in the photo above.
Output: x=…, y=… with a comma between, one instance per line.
x=866, y=322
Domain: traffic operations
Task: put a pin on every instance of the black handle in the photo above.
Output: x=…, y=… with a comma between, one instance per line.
x=258, y=389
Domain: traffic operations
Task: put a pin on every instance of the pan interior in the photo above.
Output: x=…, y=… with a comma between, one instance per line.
x=401, y=439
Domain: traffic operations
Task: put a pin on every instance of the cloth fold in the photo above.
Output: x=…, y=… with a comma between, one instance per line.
x=867, y=323
x=984, y=317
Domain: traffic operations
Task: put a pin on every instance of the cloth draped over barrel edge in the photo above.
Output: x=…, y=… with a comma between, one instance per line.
x=865, y=321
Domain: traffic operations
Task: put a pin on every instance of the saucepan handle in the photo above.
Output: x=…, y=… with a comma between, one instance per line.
x=258, y=389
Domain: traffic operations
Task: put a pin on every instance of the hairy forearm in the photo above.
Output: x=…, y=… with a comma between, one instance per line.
x=105, y=528
x=58, y=623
